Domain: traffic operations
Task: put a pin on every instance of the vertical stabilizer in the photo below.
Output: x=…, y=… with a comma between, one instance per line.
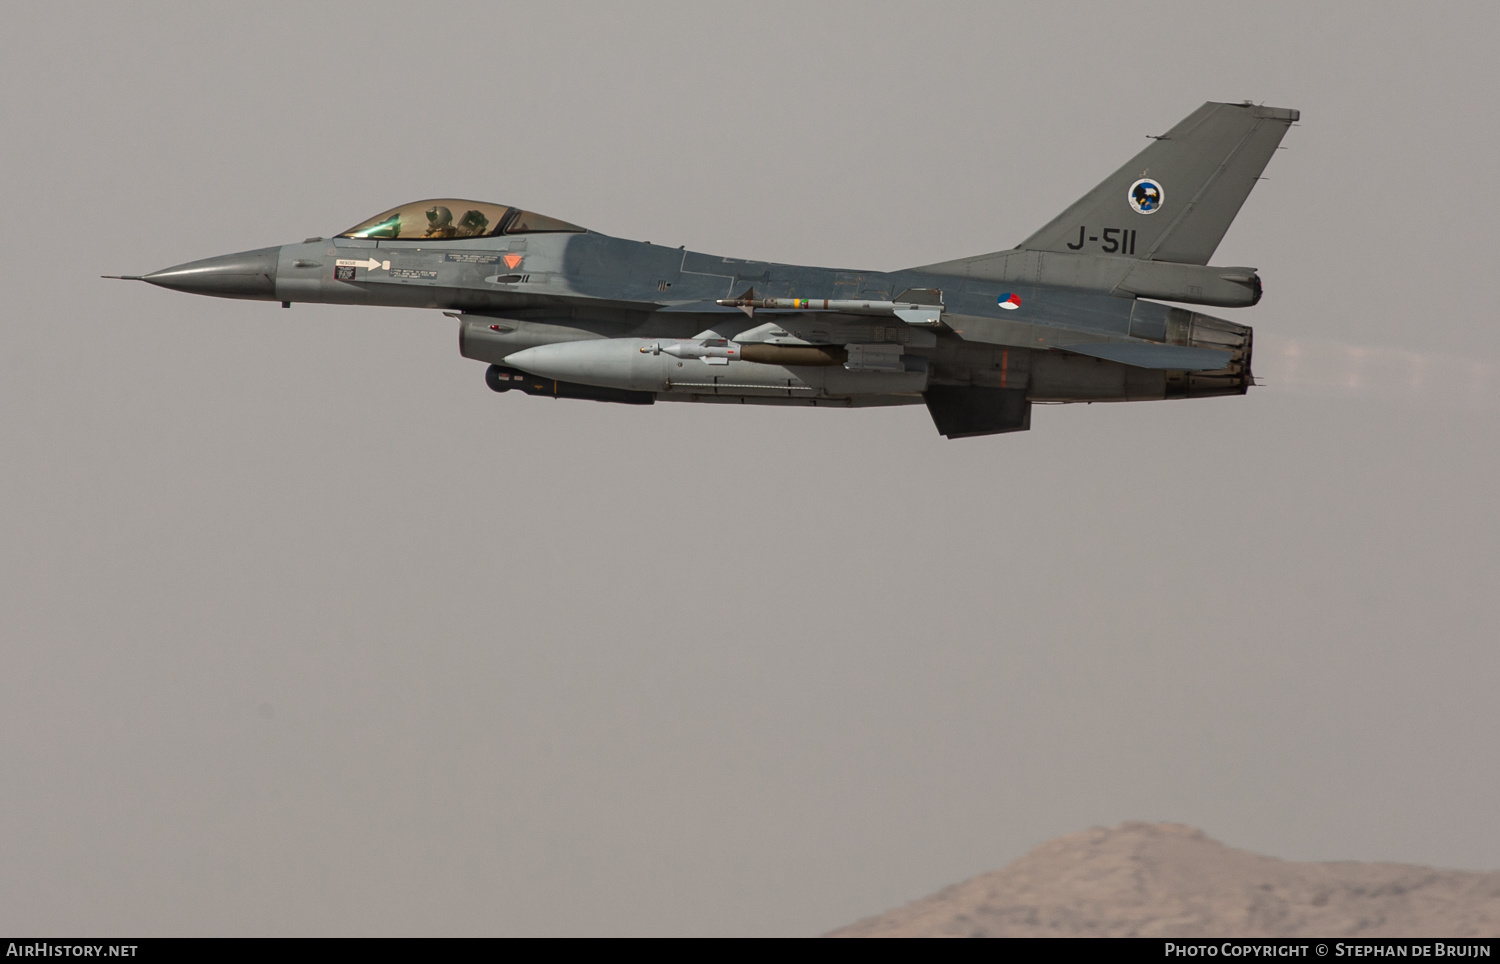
x=1174, y=200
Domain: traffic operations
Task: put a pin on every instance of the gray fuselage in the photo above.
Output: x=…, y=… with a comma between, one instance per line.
x=516, y=293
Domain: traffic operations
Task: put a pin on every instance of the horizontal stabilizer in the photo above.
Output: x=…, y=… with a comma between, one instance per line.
x=1169, y=357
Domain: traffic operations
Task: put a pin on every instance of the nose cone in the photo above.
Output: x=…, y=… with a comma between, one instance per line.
x=248, y=274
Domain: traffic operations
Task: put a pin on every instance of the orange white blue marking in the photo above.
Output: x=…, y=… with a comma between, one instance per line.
x=1009, y=300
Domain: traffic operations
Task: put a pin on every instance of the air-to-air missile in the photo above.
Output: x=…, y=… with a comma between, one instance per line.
x=922, y=307
x=1066, y=316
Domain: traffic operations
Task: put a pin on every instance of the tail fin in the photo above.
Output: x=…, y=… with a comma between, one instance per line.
x=1174, y=200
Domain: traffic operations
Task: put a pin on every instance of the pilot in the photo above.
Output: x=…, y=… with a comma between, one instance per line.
x=473, y=224
x=440, y=223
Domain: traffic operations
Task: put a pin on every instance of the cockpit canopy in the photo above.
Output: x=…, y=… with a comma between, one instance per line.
x=446, y=219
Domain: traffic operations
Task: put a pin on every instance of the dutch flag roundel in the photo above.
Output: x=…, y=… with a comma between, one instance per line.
x=1009, y=300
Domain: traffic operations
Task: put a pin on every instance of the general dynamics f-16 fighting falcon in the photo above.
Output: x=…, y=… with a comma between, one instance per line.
x=558, y=310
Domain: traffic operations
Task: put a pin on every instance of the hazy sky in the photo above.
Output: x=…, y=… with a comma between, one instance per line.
x=304, y=631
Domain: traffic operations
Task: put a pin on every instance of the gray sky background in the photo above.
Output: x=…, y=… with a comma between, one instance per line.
x=304, y=631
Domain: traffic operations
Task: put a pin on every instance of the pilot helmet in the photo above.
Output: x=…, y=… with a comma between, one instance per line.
x=439, y=217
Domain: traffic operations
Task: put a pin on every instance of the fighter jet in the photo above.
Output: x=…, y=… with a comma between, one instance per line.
x=1068, y=315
